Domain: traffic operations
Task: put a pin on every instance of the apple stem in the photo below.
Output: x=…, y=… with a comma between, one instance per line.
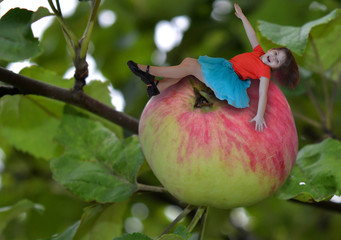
x=198, y=215
x=184, y=213
x=203, y=224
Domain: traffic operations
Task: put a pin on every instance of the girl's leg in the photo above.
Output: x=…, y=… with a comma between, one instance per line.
x=189, y=66
x=167, y=82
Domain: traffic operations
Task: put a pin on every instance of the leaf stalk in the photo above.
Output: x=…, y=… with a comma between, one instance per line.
x=149, y=188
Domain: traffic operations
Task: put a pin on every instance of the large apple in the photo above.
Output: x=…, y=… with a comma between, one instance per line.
x=207, y=153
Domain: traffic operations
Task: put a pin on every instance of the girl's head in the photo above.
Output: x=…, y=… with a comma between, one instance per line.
x=283, y=65
x=274, y=58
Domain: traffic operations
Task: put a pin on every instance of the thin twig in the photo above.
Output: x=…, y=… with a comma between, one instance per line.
x=333, y=97
x=80, y=63
x=308, y=120
x=70, y=37
x=80, y=99
x=59, y=8
x=89, y=28
x=81, y=71
x=324, y=82
x=54, y=9
x=316, y=104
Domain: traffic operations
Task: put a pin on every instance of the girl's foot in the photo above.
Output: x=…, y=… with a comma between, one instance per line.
x=147, y=78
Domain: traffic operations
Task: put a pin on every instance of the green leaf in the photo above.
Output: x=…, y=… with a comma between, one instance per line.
x=68, y=234
x=314, y=36
x=99, y=91
x=16, y=38
x=316, y=176
x=133, y=236
x=47, y=76
x=29, y=123
x=40, y=13
x=96, y=165
x=171, y=236
x=101, y=222
x=295, y=38
x=9, y=213
x=322, y=37
x=182, y=231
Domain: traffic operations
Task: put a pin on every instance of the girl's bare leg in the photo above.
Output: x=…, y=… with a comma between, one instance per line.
x=167, y=82
x=189, y=66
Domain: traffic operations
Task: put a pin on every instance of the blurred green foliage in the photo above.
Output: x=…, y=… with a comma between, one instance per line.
x=27, y=174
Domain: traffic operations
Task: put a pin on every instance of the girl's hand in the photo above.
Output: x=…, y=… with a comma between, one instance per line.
x=260, y=123
x=239, y=13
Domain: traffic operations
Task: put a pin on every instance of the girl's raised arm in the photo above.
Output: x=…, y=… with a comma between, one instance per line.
x=250, y=32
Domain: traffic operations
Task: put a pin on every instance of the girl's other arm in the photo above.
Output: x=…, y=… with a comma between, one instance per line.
x=263, y=96
x=250, y=32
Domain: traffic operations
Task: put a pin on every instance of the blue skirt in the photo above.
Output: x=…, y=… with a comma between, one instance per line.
x=224, y=81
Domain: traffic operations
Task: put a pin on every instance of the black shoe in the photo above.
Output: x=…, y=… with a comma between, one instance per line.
x=147, y=78
x=152, y=91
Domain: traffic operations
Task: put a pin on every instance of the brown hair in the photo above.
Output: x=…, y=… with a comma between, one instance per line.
x=287, y=74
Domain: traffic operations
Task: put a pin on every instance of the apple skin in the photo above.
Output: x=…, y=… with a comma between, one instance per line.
x=213, y=156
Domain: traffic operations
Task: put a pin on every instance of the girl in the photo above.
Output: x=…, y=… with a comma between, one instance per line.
x=229, y=79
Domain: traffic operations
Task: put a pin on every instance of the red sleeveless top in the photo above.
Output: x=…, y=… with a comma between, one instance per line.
x=249, y=65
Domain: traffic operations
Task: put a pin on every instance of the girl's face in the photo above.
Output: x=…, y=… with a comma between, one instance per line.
x=274, y=58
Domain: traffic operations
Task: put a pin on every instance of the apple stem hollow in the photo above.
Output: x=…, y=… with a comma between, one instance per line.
x=203, y=95
x=200, y=100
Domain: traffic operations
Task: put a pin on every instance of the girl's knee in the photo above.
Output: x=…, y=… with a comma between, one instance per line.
x=188, y=61
x=192, y=66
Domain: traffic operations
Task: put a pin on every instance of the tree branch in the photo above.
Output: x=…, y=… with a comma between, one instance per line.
x=78, y=98
x=6, y=90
